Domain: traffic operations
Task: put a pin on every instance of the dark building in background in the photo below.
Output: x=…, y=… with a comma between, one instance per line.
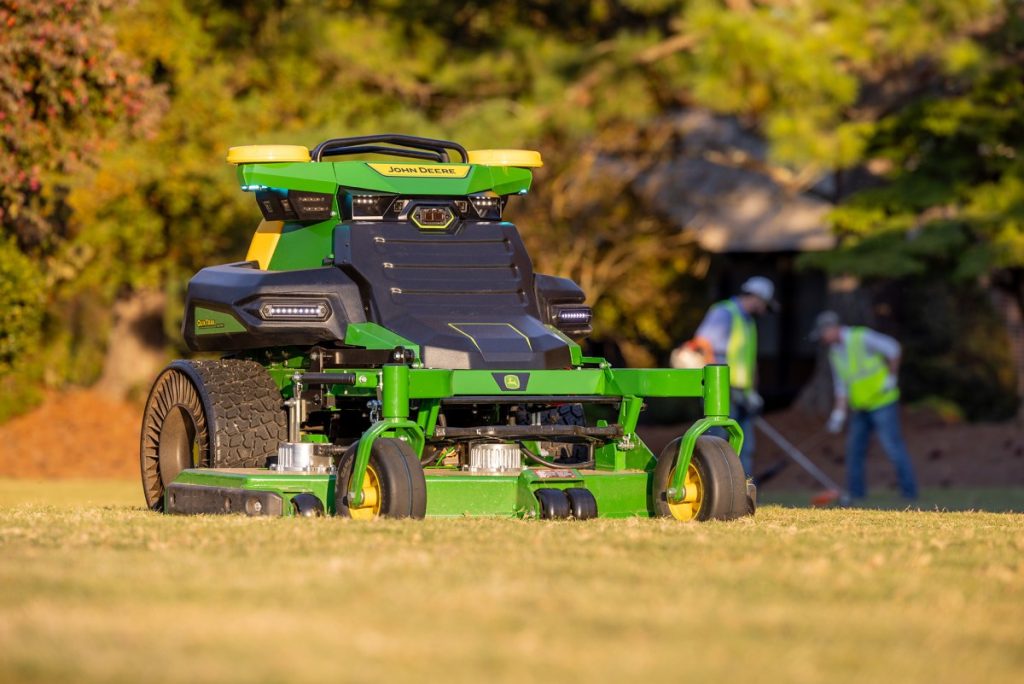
x=751, y=221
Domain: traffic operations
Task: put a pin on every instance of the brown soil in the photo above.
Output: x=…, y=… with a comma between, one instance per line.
x=944, y=454
x=84, y=433
x=77, y=433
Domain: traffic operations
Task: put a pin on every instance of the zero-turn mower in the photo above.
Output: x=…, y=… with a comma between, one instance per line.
x=388, y=351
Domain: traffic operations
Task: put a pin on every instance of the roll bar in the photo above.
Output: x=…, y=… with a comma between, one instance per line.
x=390, y=143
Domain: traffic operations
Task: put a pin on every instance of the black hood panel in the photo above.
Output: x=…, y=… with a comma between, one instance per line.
x=465, y=295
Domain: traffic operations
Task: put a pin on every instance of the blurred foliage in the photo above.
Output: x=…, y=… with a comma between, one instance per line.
x=953, y=347
x=64, y=87
x=953, y=200
x=22, y=305
x=123, y=113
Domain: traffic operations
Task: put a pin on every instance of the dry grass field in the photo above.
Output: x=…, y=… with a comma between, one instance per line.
x=95, y=589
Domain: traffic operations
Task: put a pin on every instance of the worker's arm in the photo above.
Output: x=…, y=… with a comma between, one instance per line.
x=837, y=418
x=879, y=343
x=712, y=337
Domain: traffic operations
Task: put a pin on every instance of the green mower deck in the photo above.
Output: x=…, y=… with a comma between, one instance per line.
x=620, y=480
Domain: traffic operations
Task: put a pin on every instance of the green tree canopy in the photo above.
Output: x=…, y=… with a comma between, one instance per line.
x=830, y=84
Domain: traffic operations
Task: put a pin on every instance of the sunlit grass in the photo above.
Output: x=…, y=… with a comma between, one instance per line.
x=115, y=593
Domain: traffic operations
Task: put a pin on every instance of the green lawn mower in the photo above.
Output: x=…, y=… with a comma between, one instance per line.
x=388, y=351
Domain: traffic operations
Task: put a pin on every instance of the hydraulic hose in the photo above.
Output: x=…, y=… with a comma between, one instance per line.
x=551, y=464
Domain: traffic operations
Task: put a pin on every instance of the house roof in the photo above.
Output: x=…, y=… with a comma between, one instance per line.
x=734, y=208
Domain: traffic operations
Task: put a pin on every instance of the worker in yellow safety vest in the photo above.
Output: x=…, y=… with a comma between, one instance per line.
x=728, y=334
x=865, y=367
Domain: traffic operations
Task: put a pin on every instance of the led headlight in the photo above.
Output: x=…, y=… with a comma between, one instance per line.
x=487, y=207
x=293, y=205
x=296, y=310
x=573, y=317
x=371, y=207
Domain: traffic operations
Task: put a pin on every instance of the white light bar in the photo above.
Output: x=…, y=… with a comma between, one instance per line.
x=578, y=316
x=306, y=310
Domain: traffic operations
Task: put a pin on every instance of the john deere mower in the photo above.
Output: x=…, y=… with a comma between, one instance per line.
x=386, y=350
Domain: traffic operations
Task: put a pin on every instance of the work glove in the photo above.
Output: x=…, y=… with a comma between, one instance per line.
x=835, y=421
x=889, y=384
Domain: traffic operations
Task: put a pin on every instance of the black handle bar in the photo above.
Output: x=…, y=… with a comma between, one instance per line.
x=441, y=147
x=331, y=151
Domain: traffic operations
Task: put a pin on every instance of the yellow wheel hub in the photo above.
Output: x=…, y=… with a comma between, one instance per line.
x=370, y=508
x=688, y=508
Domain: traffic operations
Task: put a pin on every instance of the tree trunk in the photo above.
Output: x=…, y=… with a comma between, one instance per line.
x=1010, y=303
x=137, y=349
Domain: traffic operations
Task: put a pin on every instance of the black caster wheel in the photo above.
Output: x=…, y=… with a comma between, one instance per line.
x=582, y=503
x=554, y=504
x=307, y=505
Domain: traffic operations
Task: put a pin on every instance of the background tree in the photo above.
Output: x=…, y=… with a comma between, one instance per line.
x=65, y=88
x=595, y=85
x=948, y=212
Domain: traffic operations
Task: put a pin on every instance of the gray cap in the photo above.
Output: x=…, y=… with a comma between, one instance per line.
x=763, y=289
x=826, y=319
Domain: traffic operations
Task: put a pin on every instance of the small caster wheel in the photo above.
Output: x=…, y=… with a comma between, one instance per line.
x=307, y=505
x=554, y=504
x=582, y=503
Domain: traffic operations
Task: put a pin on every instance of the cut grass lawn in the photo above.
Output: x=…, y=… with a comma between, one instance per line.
x=115, y=593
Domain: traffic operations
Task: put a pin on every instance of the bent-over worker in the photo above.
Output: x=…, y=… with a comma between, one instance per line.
x=865, y=366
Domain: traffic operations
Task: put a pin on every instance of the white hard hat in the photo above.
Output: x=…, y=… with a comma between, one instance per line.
x=763, y=289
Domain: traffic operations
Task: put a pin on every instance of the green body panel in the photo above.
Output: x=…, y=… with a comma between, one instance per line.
x=581, y=381
x=373, y=336
x=288, y=175
x=457, y=494
x=359, y=176
x=303, y=245
x=210, y=322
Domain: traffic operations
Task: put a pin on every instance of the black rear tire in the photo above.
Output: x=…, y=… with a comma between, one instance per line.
x=723, y=485
x=566, y=414
x=401, y=487
x=216, y=414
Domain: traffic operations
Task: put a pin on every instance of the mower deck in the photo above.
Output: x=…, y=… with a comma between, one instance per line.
x=450, y=492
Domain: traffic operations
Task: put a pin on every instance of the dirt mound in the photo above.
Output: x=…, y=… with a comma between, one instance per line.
x=944, y=454
x=77, y=433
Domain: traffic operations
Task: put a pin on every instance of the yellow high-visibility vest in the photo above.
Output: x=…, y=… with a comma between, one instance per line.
x=866, y=375
x=741, y=352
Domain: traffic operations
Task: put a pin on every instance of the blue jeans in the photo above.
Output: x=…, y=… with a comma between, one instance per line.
x=886, y=421
x=746, y=422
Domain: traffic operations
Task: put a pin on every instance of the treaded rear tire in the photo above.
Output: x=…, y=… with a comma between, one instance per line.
x=232, y=413
x=567, y=414
x=721, y=473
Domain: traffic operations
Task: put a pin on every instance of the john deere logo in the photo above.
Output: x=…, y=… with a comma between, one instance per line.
x=421, y=170
x=512, y=382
